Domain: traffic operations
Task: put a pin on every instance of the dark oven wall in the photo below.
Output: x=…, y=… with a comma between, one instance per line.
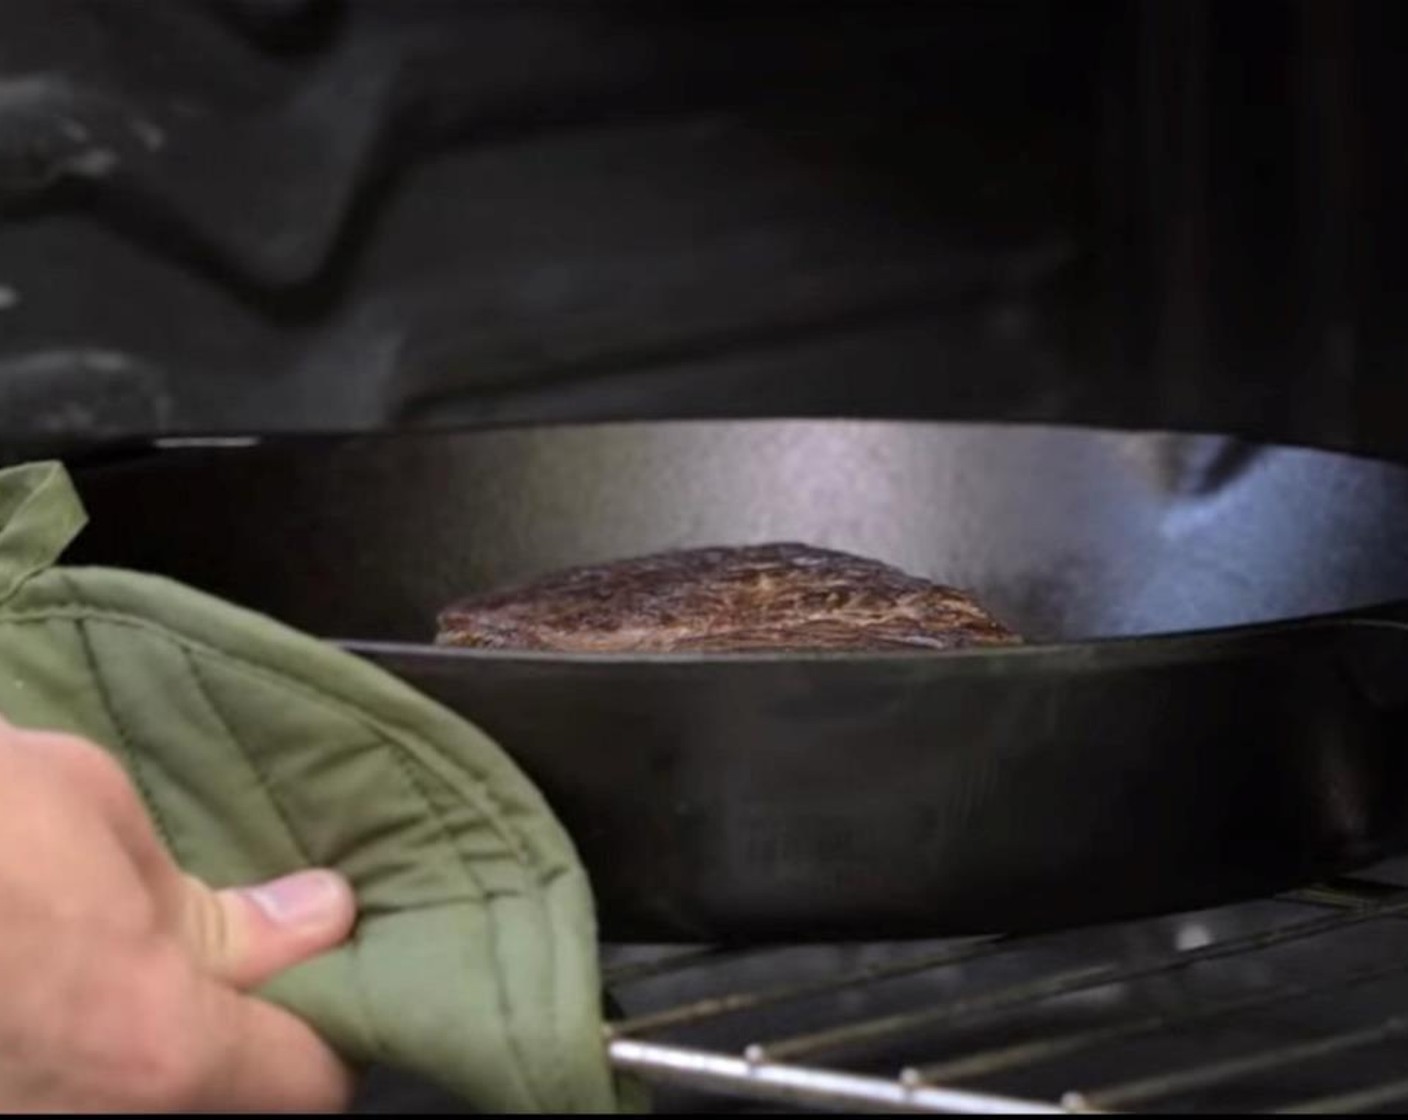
x=273, y=214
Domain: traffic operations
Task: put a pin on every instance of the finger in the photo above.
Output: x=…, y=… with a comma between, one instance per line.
x=245, y=936
x=268, y=1060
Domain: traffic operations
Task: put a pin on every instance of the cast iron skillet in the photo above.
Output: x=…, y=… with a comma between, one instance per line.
x=1212, y=705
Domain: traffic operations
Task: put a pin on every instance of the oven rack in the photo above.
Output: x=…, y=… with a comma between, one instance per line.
x=1182, y=1013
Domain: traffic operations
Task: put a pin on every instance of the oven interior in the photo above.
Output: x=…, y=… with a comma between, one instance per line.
x=246, y=215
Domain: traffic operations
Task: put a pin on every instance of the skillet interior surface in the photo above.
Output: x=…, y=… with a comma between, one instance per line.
x=1068, y=533
x=715, y=798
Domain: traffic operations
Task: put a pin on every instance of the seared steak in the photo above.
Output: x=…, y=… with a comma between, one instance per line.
x=734, y=599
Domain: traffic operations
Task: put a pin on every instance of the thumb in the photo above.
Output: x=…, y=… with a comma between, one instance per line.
x=244, y=936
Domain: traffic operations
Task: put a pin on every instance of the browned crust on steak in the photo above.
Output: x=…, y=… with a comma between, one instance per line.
x=766, y=597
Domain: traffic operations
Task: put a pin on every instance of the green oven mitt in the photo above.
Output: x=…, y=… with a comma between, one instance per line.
x=260, y=750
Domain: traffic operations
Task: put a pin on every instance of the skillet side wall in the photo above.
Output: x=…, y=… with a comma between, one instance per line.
x=936, y=797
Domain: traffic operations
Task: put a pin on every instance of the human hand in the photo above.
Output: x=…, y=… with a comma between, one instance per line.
x=126, y=982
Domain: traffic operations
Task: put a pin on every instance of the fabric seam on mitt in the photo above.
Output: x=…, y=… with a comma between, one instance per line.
x=124, y=739
x=266, y=787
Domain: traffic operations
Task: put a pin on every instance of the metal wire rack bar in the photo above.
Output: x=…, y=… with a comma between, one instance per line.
x=1361, y=1100
x=672, y=963
x=817, y=1088
x=734, y=1002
